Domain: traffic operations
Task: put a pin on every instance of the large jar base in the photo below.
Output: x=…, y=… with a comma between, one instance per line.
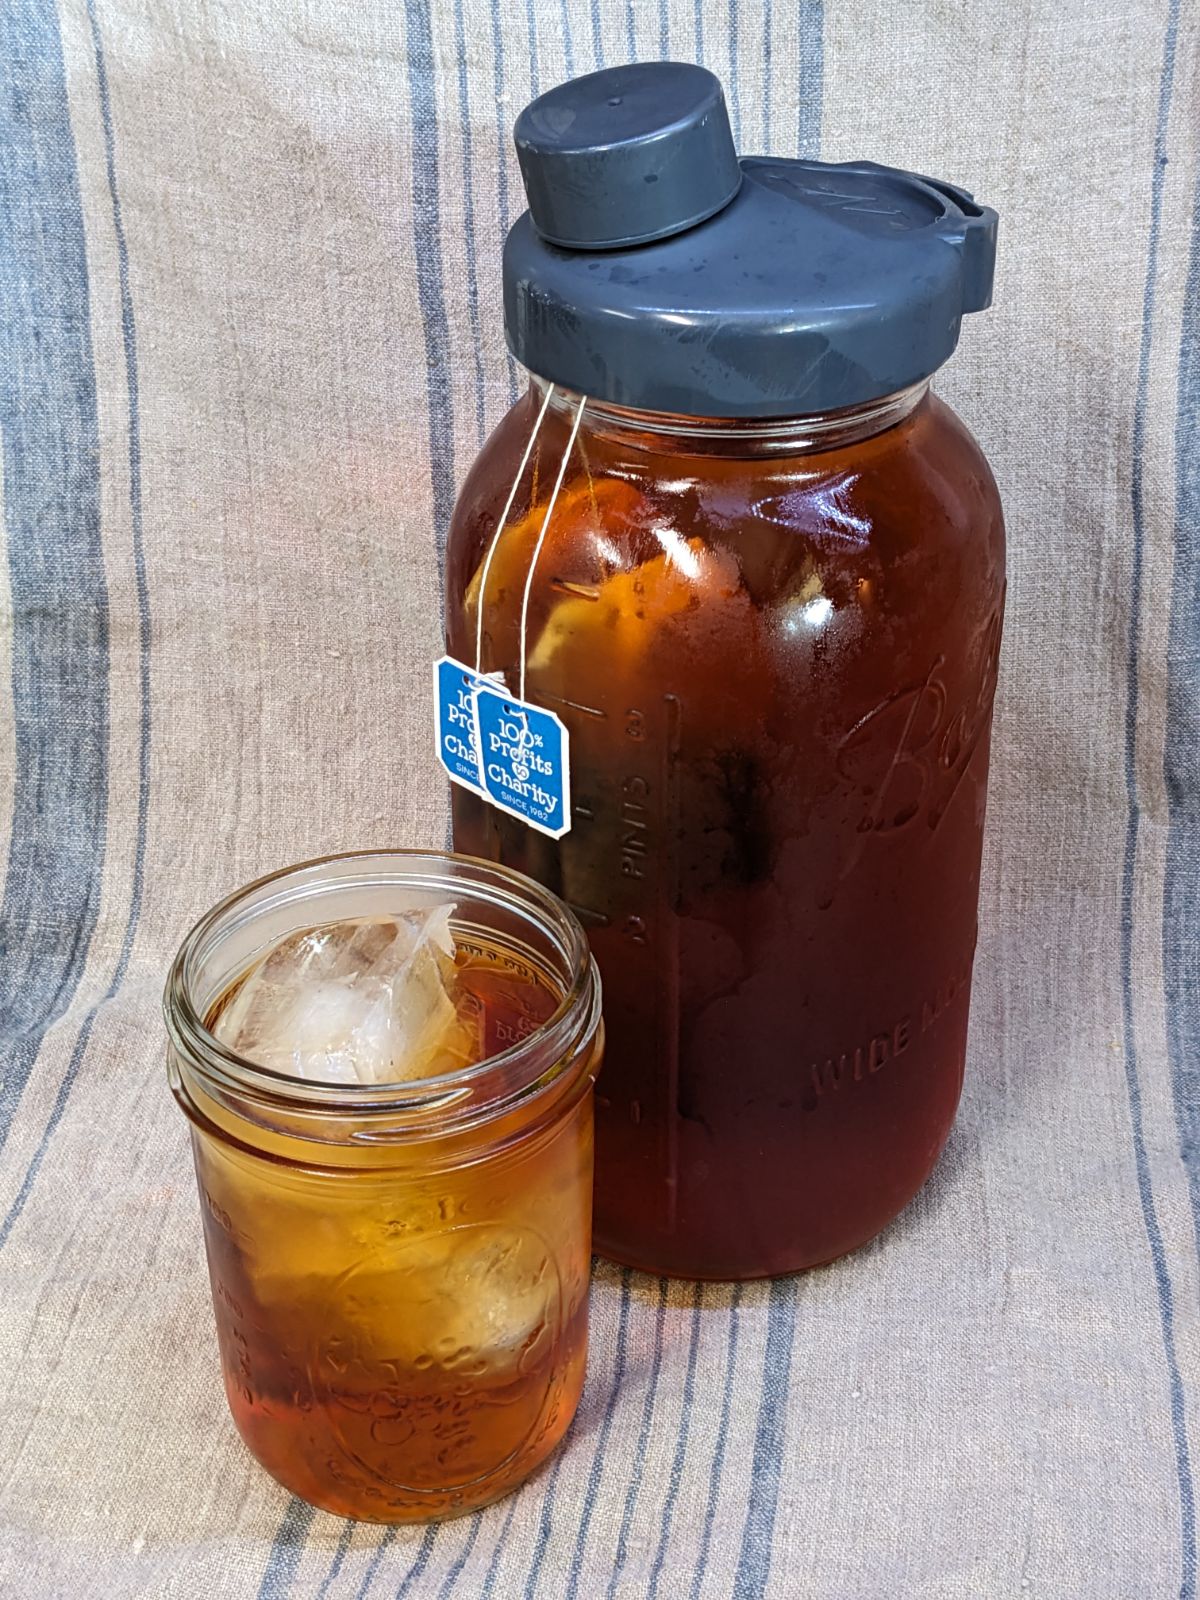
x=728, y=1272
x=683, y=1274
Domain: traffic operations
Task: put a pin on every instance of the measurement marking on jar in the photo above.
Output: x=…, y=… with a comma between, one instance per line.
x=633, y=815
x=669, y=973
x=589, y=917
x=561, y=700
x=585, y=812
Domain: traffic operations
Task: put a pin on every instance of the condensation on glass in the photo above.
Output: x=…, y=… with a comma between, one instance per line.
x=399, y=1271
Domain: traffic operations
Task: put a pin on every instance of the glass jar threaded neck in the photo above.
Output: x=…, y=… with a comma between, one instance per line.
x=665, y=431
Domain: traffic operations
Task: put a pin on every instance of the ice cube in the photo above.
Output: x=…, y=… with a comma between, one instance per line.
x=364, y=1001
x=475, y=1293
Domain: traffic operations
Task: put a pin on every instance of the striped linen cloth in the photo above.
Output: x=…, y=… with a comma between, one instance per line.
x=250, y=340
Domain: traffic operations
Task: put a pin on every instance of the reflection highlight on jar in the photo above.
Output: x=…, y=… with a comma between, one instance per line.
x=825, y=511
x=678, y=552
x=808, y=610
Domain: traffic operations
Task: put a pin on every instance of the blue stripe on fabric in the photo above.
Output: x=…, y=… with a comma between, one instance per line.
x=768, y=28
x=373, y=1565
x=717, y=1470
x=286, y=1551
x=502, y=134
x=472, y=249
x=1181, y=757
x=55, y=1117
x=464, y=1555
x=421, y=1560
x=597, y=36
x=698, y=17
x=339, y=1556
x=1162, y=1280
x=489, y=1581
x=630, y=33
x=427, y=248
x=681, y=1443
x=133, y=390
x=545, y=1522
x=758, y=1534
x=811, y=21
x=568, y=46
x=60, y=664
x=591, y=1492
x=531, y=33
x=639, y=1454
x=129, y=343
x=535, y=77
x=734, y=78
x=664, y=30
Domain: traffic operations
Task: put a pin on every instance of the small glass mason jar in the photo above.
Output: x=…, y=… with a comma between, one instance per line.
x=400, y=1270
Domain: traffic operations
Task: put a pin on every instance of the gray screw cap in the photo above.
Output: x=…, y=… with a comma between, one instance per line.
x=627, y=155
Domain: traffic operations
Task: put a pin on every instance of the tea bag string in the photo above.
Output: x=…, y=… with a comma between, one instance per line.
x=500, y=527
x=541, y=538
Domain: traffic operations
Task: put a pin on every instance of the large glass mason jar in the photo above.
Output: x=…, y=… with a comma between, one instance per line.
x=757, y=568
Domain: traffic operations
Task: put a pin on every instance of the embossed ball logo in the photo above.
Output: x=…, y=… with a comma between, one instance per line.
x=438, y=1360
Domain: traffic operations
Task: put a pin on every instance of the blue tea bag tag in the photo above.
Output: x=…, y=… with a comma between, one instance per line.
x=454, y=690
x=526, y=760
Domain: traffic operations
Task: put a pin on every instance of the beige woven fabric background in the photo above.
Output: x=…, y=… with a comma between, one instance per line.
x=251, y=339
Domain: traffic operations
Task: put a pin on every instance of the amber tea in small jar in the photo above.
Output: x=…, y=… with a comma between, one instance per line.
x=387, y=1061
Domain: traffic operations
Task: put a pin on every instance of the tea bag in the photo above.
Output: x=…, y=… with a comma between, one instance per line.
x=364, y=1001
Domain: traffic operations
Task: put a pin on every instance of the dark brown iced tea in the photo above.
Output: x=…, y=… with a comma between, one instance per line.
x=776, y=656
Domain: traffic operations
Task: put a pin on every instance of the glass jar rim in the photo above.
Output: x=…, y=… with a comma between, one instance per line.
x=802, y=432
x=487, y=1088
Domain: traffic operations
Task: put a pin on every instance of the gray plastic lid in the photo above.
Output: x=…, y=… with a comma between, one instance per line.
x=807, y=287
